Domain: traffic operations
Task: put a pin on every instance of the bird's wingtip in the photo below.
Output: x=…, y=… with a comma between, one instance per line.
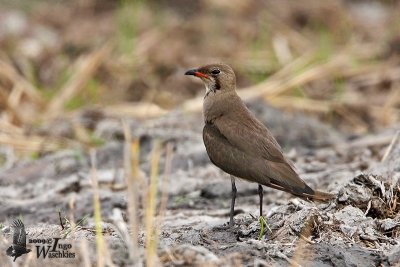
x=323, y=196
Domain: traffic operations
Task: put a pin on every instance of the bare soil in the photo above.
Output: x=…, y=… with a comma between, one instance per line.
x=361, y=227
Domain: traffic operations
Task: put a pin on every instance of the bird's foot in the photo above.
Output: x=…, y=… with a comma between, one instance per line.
x=263, y=224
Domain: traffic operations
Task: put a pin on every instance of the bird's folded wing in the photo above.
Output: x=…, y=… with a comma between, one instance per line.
x=252, y=138
x=234, y=161
x=249, y=136
x=231, y=159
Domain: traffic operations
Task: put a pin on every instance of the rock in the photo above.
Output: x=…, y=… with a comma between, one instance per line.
x=355, y=194
x=350, y=216
x=394, y=256
x=325, y=255
x=388, y=224
x=348, y=230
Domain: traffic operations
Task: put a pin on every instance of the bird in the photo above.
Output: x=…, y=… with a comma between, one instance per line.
x=18, y=247
x=239, y=144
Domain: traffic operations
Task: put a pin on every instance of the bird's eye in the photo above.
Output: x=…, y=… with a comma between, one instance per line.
x=215, y=72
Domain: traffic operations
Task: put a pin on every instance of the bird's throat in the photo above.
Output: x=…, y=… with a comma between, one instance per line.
x=209, y=89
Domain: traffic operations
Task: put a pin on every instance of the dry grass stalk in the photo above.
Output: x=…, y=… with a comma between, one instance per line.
x=164, y=190
x=275, y=87
x=9, y=128
x=85, y=69
x=84, y=248
x=9, y=72
x=33, y=143
x=15, y=96
x=306, y=104
x=302, y=241
x=391, y=146
x=337, y=65
x=10, y=108
x=131, y=168
x=100, y=244
x=71, y=214
x=151, y=204
x=122, y=227
x=165, y=180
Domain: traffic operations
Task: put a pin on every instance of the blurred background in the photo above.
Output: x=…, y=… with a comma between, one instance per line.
x=64, y=65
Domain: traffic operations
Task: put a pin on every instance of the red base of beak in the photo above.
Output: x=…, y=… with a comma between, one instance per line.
x=196, y=73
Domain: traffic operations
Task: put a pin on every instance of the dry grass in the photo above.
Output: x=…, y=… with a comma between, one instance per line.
x=290, y=57
x=391, y=146
x=150, y=197
x=150, y=208
x=131, y=168
x=84, y=70
x=100, y=244
x=137, y=189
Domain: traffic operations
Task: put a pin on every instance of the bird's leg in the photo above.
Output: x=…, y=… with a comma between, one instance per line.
x=261, y=194
x=234, y=190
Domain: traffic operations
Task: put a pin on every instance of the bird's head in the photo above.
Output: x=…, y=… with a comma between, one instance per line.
x=216, y=77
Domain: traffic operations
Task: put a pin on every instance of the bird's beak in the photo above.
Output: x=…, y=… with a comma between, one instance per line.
x=196, y=73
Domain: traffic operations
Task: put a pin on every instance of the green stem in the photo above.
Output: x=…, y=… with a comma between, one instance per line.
x=263, y=224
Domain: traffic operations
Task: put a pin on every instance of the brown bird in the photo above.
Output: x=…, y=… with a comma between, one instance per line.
x=239, y=144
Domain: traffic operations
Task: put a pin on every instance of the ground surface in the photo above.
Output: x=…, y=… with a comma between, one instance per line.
x=360, y=227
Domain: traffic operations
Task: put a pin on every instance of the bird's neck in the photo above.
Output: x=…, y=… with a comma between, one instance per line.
x=218, y=104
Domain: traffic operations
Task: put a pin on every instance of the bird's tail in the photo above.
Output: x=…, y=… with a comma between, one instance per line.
x=321, y=196
x=305, y=193
x=314, y=195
